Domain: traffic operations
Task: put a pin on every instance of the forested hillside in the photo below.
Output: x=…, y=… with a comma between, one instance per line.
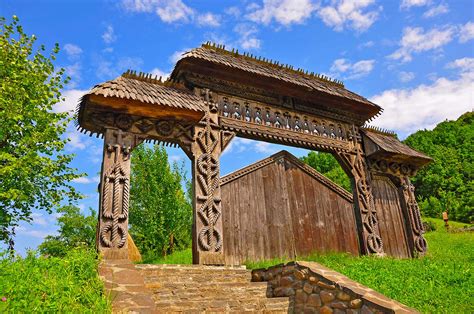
x=448, y=182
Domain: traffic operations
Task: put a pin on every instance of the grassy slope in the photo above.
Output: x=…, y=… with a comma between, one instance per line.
x=66, y=285
x=442, y=281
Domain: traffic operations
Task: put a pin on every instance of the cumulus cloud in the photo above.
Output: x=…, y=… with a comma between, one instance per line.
x=354, y=14
x=169, y=11
x=406, y=76
x=343, y=68
x=72, y=51
x=247, y=38
x=208, y=19
x=466, y=32
x=109, y=36
x=424, y=106
x=285, y=12
x=436, y=10
x=71, y=99
x=159, y=73
x=416, y=40
x=406, y=4
x=106, y=69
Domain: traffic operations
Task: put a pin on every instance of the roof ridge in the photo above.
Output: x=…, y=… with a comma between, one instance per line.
x=276, y=64
x=297, y=162
x=376, y=129
x=148, y=78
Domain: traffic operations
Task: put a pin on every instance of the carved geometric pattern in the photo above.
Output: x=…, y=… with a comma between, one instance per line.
x=414, y=216
x=208, y=203
x=355, y=160
x=115, y=197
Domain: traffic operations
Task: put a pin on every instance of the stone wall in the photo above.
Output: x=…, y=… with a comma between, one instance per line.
x=313, y=288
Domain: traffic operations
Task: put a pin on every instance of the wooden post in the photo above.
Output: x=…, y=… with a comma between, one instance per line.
x=415, y=228
x=208, y=242
x=355, y=163
x=114, y=189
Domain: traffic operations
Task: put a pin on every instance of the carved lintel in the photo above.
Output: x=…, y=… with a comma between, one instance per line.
x=115, y=193
x=418, y=242
x=366, y=215
x=392, y=168
x=208, y=230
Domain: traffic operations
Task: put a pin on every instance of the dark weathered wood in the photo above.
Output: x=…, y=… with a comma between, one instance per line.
x=284, y=211
x=391, y=221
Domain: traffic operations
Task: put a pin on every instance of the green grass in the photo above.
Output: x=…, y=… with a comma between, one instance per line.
x=183, y=257
x=440, y=282
x=37, y=284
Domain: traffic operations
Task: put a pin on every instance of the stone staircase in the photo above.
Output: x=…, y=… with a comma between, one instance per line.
x=187, y=289
x=198, y=289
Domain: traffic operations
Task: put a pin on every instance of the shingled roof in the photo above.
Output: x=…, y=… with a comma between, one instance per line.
x=387, y=145
x=145, y=89
x=257, y=66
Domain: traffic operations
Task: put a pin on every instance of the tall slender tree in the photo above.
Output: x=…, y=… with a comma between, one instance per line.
x=160, y=211
x=34, y=171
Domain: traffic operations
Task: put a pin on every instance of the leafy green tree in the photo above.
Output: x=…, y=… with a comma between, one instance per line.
x=75, y=230
x=448, y=182
x=160, y=213
x=34, y=173
x=327, y=165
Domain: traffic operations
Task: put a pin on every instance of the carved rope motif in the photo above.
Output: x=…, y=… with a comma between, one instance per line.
x=414, y=216
x=356, y=160
x=115, y=196
x=209, y=204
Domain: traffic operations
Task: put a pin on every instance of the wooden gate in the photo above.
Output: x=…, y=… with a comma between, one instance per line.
x=281, y=207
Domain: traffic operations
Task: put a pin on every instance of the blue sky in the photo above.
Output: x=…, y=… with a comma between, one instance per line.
x=415, y=58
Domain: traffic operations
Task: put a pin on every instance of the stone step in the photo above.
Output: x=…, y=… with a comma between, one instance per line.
x=200, y=278
x=273, y=305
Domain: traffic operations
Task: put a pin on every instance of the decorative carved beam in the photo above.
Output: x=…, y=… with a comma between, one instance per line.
x=366, y=216
x=114, y=189
x=208, y=243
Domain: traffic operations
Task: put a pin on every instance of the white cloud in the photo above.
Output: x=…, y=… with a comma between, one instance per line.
x=353, y=14
x=177, y=55
x=159, y=73
x=39, y=219
x=208, y=19
x=109, y=36
x=341, y=67
x=408, y=110
x=464, y=65
x=233, y=11
x=72, y=51
x=265, y=148
x=169, y=11
x=247, y=39
x=367, y=44
x=74, y=72
x=75, y=141
x=86, y=180
x=285, y=12
x=416, y=40
x=437, y=10
x=466, y=32
x=71, y=99
x=406, y=4
x=406, y=76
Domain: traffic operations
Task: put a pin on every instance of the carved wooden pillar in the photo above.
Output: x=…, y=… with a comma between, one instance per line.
x=112, y=229
x=208, y=244
x=366, y=216
x=415, y=228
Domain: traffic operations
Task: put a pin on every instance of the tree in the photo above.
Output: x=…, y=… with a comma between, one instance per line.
x=160, y=213
x=75, y=230
x=34, y=173
x=327, y=165
x=448, y=182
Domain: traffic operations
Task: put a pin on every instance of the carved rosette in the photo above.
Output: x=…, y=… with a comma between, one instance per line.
x=419, y=242
x=115, y=193
x=371, y=242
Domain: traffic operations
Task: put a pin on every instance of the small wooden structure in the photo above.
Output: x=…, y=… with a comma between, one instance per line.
x=213, y=95
x=279, y=207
